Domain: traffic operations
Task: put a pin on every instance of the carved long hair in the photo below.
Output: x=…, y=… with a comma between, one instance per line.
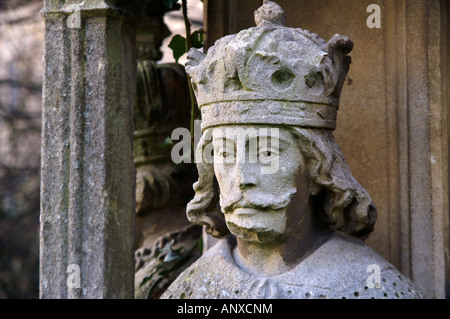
x=343, y=204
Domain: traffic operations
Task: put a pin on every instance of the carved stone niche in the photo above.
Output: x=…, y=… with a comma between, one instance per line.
x=165, y=240
x=292, y=218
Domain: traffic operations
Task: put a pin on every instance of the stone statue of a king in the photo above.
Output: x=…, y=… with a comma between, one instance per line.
x=273, y=184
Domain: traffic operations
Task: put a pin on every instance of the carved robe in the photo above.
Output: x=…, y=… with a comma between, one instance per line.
x=343, y=267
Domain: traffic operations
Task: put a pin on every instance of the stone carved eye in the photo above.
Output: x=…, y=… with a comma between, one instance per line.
x=267, y=152
x=227, y=154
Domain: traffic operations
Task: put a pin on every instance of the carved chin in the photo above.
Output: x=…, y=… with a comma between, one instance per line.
x=256, y=226
x=255, y=235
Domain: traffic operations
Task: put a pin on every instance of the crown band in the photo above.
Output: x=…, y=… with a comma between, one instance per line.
x=273, y=112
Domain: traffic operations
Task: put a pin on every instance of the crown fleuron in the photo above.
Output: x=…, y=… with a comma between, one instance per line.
x=270, y=74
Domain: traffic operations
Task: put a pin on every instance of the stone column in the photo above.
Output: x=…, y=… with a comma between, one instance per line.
x=424, y=110
x=87, y=171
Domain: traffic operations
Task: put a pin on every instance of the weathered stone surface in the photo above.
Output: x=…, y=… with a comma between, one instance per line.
x=394, y=109
x=160, y=260
x=288, y=203
x=336, y=270
x=87, y=181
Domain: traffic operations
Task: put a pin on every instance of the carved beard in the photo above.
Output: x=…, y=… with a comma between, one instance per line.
x=258, y=201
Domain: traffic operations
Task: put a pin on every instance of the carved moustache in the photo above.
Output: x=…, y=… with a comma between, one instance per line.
x=258, y=201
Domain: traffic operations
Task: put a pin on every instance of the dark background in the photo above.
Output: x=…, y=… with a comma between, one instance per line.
x=21, y=39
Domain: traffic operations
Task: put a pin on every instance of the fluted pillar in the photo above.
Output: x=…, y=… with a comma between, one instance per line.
x=87, y=171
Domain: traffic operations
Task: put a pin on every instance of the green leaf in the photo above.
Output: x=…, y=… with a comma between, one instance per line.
x=178, y=46
x=169, y=3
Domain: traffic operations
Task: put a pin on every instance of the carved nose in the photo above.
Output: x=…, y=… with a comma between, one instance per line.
x=246, y=177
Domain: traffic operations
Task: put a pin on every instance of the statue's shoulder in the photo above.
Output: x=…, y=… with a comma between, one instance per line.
x=347, y=267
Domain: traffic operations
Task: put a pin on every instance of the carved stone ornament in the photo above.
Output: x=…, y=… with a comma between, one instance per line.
x=278, y=190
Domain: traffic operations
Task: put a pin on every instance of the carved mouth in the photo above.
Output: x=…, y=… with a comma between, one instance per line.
x=256, y=207
x=258, y=203
x=245, y=211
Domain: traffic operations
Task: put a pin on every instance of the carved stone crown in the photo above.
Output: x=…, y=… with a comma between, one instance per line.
x=270, y=74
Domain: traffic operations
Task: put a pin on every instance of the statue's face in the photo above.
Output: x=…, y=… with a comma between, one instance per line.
x=262, y=179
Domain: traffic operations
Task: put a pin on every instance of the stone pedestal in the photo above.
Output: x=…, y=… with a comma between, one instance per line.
x=88, y=176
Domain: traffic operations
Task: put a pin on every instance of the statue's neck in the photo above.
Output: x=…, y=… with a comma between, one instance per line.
x=271, y=259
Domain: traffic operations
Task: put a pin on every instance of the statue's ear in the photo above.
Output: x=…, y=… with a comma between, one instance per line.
x=337, y=48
